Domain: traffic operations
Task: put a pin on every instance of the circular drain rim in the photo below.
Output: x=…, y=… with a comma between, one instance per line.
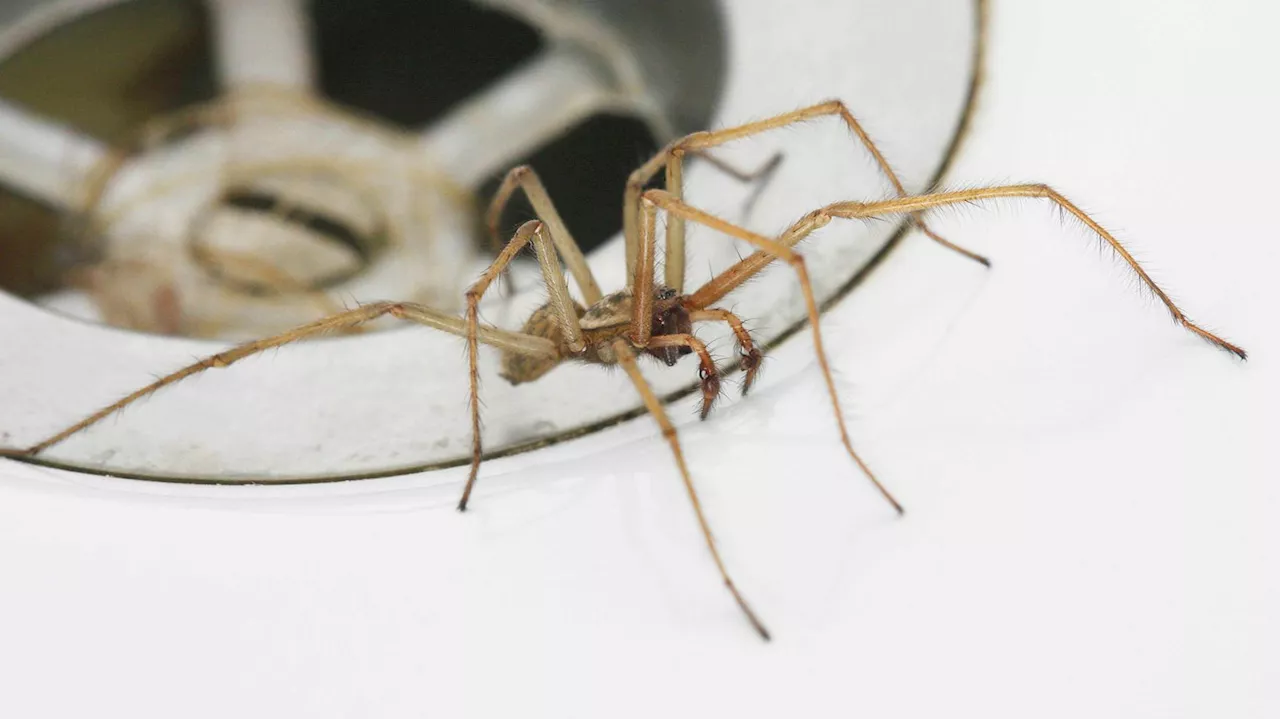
x=973, y=87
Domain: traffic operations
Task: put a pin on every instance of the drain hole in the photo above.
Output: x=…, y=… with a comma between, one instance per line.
x=409, y=61
x=386, y=58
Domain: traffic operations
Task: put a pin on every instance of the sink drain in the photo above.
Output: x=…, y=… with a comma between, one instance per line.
x=393, y=402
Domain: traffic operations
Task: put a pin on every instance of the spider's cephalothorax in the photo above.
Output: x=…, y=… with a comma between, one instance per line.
x=670, y=317
x=607, y=320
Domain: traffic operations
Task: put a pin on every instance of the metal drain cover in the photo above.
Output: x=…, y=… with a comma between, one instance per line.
x=395, y=401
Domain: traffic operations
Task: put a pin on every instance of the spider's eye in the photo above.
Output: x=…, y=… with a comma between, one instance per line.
x=665, y=293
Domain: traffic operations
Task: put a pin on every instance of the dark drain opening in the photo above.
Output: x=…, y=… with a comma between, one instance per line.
x=409, y=61
x=387, y=58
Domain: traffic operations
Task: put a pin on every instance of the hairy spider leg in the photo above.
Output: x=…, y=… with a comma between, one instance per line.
x=412, y=312
x=672, y=156
x=654, y=199
x=525, y=178
x=627, y=358
x=534, y=231
x=740, y=272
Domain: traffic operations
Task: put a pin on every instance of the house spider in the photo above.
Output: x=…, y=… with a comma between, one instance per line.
x=650, y=317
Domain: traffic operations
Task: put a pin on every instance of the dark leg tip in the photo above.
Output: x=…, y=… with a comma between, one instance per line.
x=462, y=506
x=898, y=509
x=750, y=364
x=1214, y=339
x=707, y=404
x=710, y=391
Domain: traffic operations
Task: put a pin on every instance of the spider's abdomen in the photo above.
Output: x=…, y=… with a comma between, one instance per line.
x=611, y=311
x=518, y=368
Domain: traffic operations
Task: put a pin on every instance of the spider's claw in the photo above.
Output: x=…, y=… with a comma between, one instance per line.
x=750, y=365
x=710, y=390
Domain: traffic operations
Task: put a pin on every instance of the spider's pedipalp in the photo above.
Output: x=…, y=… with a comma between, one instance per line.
x=750, y=356
x=653, y=199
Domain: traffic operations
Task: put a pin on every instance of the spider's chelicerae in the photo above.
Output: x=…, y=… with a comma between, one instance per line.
x=649, y=317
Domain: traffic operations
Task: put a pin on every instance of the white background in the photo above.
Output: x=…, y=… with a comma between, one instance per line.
x=1091, y=493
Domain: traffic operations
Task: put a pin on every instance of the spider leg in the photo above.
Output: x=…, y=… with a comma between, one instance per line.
x=627, y=358
x=421, y=314
x=672, y=156
x=524, y=178
x=750, y=355
x=673, y=270
x=730, y=279
x=722, y=284
x=534, y=231
x=853, y=210
x=673, y=206
x=831, y=107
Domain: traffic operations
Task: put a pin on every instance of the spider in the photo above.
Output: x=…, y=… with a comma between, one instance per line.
x=649, y=318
